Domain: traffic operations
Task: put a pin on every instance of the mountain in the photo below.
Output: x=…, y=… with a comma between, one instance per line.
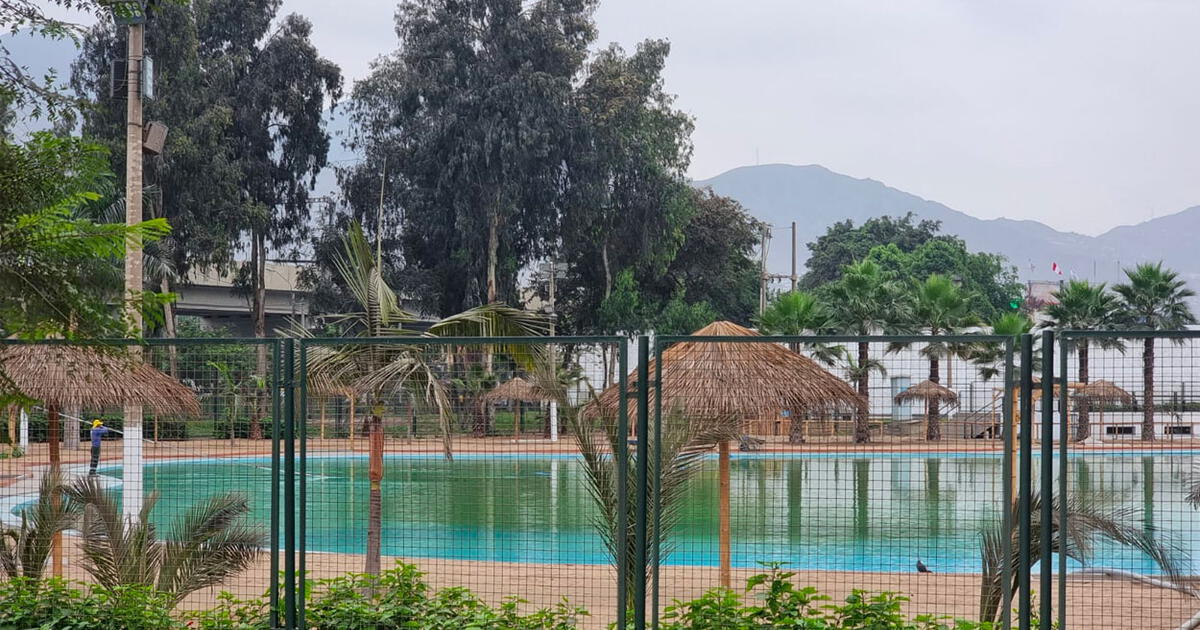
x=816, y=197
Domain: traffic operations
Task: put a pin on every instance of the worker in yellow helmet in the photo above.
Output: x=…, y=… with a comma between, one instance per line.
x=98, y=431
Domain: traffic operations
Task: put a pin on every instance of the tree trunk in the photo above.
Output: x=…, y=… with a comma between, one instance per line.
x=13, y=439
x=259, y=254
x=1148, y=386
x=374, y=550
x=933, y=425
x=71, y=428
x=480, y=426
x=862, y=417
x=164, y=286
x=493, y=254
x=56, y=561
x=1083, y=428
x=607, y=271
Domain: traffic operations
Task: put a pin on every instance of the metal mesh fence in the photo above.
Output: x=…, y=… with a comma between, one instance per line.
x=205, y=444
x=462, y=458
x=878, y=464
x=1131, y=405
x=872, y=464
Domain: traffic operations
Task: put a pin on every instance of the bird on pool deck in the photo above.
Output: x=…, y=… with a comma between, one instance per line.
x=921, y=568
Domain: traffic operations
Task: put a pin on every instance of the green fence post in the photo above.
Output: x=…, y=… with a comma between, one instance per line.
x=1025, y=484
x=1008, y=499
x=622, y=461
x=1064, y=469
x=656, y=548
x=302, y=480
x=289, y=485
x=643, y=461
x=1045, y=561
x=273, y=589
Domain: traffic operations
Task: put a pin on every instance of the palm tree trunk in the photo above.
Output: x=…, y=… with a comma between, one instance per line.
x=493, y=249
x=1148, y=386
x=862, y=426
x=56, y=561
x=933, y=427
x=375, y=499
x=1083, y=429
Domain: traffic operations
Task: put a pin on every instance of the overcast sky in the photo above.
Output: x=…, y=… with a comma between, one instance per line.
x=1082, y=114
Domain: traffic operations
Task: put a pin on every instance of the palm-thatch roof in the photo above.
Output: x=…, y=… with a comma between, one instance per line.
x=731, y=379
x=1104, y=391
x=89, y=378
x=518, y=389
x=928, y=390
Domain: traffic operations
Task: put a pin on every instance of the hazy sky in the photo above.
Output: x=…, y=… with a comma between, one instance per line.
x=1082, y=114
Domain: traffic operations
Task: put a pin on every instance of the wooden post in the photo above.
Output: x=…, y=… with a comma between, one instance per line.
x=56, y=560
x=517, y=420
x=353, y=423
x=726, y=560
x=322, y=403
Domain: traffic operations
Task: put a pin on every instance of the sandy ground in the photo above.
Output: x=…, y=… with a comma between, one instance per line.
x=1093, y=602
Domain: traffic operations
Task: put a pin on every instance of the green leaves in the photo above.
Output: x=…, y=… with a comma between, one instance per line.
x=1154, y=298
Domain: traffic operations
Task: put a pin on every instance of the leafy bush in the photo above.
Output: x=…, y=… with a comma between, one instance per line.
x=55, y=604
x=395, y=599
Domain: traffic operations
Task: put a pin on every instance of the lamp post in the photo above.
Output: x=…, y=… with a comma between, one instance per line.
x=133, y=14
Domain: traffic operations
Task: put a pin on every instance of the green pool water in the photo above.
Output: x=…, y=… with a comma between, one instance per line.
x=836, y=512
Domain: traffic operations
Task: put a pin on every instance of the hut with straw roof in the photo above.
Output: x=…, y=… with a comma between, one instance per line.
x=519, y=391
x=1103, y=392
x=734, y=381
x=84, y=377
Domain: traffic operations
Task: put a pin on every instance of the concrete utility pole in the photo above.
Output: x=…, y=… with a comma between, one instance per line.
x=794, y=278
x=131, y=488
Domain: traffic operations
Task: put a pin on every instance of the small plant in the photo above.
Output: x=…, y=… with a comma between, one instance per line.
x=59, y=605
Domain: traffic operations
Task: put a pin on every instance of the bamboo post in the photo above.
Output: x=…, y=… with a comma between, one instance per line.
x=517, y=421
x=726, y=560
x=322, y=404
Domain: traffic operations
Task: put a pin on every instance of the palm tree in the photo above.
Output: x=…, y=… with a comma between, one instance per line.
x=1153, y=299
x=204, y=546
x=25, y=549
x=373, y=371
x=798, y=313
x=864, y=301
x=1088, y=521
x=940, y=308
x=1081, y=305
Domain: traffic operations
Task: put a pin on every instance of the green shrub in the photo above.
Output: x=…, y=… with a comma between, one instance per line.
x=55, y=604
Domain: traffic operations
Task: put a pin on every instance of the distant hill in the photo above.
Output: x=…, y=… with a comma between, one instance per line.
x=816, y=197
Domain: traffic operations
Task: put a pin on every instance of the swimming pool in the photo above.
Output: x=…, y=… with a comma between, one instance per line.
x=876, y=512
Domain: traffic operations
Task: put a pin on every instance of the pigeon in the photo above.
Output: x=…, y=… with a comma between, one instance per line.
x=921, y=568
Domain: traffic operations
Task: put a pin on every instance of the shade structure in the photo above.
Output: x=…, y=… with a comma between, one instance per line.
x=86, y=377
x=734, y=381
x=1104, y=391
x=928, y=390
x=517, y=389
x=738, y=379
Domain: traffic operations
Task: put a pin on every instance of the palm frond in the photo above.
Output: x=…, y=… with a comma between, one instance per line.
x=24, y=549
x=207, y=544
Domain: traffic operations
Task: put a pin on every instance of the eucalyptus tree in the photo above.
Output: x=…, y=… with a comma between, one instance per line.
x=375, y=371
x=1153, y=298
x=1081, y=305
x=865, y=300
x=474, y=143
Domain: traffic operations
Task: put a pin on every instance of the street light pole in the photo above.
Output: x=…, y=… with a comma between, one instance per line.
x=131, y=489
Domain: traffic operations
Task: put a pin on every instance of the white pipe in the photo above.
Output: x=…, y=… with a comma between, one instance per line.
x=24, y=432
x=131, y=469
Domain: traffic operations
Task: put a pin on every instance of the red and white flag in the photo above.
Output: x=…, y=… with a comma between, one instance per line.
x=1056, y=269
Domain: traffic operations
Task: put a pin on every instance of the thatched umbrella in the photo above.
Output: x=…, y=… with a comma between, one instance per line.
x=517, y=390
x=1104, y=392
x=733, y=382
x=61, y=375
x=928, y=391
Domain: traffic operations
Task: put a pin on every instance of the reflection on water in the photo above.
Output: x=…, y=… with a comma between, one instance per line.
x=818, y=512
